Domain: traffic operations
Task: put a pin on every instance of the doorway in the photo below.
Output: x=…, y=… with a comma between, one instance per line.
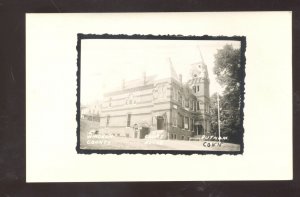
x=199, y=130
x=144, y=131
x=160, y=123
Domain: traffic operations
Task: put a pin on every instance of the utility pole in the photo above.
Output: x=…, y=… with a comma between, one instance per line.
x=219, y=117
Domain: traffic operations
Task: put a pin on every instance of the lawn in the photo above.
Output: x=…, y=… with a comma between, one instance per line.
x=102, y=142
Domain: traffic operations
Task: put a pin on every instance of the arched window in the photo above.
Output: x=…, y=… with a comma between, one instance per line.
x=130, y=100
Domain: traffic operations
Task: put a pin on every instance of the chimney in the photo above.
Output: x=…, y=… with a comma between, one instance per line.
x=123, y=84
x=144, y=76
x=180, y=78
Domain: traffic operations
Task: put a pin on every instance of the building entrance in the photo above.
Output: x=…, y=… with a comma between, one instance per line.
x=199, y=130
x=144, y=131
x=160, y=123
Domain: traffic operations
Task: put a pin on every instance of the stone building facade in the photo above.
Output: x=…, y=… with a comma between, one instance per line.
x=161, y=102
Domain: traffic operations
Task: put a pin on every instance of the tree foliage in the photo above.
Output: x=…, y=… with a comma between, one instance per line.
x=214, y=114
x=228, y=71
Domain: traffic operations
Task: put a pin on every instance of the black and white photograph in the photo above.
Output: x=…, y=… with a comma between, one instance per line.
x=176, y=94
x=135, y=97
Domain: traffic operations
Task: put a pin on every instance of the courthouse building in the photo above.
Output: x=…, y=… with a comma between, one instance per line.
x=159, y=102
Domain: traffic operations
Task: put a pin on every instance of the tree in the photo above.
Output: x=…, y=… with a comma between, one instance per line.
x=214, y=114
x=229, y=76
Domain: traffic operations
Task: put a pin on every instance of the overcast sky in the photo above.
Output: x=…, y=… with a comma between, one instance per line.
x=105, y=63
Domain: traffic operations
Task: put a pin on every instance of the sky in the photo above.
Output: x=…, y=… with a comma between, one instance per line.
x=106, y=62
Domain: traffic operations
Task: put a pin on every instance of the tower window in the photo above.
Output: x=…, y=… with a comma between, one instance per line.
x=197, y=88
x=198, y=105
x=179, y=98
x=186, y=104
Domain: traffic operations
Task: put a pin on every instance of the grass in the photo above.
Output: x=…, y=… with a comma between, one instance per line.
x=101, y=142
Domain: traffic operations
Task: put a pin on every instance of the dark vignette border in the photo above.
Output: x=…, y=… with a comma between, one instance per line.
x=242, y=75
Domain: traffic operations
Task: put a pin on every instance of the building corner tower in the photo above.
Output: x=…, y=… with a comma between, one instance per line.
x=199, y=83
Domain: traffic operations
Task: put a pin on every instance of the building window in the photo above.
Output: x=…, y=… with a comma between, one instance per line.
x=128, y=120
x=107, y=120
x=175, y=94
x=97, y=118
x=186, y=104
x=182, y=137
x=174, y=118
x=175, y=136
x=130, y=100
x=109, y=104
x=186, y=123
x=179, y=97
x=194, y=88
x=198, y=105
x=180, y=120
x=197, y=88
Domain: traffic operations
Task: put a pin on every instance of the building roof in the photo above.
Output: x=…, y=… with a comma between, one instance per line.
x=163, y=72
x=139, y=82
x=198, y=73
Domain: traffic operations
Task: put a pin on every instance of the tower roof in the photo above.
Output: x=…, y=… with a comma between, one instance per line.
x=199, y=70
x=167, y=71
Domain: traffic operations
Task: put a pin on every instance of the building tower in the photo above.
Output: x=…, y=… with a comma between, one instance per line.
x=199, y=83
